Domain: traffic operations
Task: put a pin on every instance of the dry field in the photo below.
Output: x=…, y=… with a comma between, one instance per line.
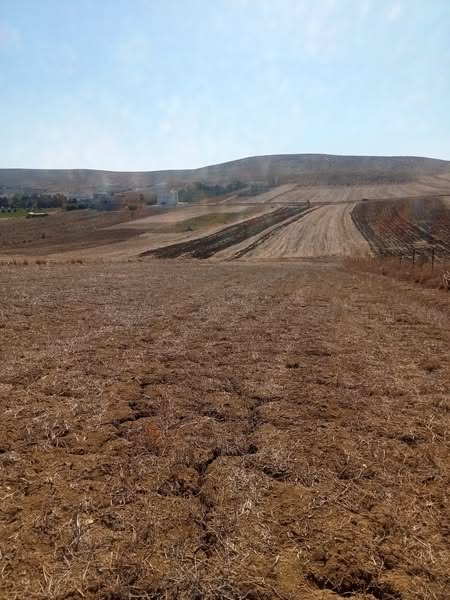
x=189, y=213
x=204, y=430
x=316, y=230
x=63, y=231
x=326, y=194
x=89, y=234
x=329, y=221
x=424, y=272
x=395, y=226
x=228, y=237
x=326, y=231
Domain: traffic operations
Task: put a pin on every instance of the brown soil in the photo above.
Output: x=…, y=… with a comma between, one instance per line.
x=398, y=226
x=88, y=233
x=189, y=430
x=62, y=231
x=207, y=246
x=326, y=231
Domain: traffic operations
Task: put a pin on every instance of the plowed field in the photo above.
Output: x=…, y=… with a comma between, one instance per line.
x=196, y=430
x=209, y=245
x=325, y=231
x=399, y=226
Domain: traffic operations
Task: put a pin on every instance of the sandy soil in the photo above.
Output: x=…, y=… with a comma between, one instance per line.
x=180, y=430
x=325, y=231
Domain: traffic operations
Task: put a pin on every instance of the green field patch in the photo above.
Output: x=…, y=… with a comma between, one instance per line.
x=20, y=212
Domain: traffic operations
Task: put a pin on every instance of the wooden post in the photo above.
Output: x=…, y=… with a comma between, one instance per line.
x=432, y=259
x=414, y=256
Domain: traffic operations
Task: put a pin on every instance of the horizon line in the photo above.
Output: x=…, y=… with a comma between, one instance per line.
x=256, y=156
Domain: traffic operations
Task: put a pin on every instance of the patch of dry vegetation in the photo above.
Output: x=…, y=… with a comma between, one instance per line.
x=212, y=219
x=424, y=273
x=185, y=430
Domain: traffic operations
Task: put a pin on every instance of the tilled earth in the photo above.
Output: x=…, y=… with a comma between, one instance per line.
x=184, y=429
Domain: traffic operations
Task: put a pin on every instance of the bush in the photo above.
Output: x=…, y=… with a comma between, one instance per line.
x=76, y=206
x=200, y=190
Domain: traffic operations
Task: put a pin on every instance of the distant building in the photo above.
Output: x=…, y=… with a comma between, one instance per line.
x=105, y=201
x=167, y=198
x=80, y=198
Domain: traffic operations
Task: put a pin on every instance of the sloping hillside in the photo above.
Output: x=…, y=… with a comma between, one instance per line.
x=305, y=169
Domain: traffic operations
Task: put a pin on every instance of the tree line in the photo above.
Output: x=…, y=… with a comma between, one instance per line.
x=199, y=190
x=28, y=201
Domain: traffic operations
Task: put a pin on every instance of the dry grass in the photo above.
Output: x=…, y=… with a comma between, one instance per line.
x=404, y=269
x=186, y=430
x=205, y=221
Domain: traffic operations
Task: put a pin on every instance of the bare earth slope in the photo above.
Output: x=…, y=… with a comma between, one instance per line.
x=184, y=430
x=307, y=169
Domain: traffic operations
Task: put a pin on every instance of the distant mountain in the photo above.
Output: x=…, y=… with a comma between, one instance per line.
x=307, y=169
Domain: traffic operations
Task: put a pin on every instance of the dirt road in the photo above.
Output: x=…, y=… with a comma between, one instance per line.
x=188, y=429
x=325, y=231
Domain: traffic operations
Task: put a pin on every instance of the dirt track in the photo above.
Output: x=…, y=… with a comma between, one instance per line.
x=184, y=430
x=326, y=231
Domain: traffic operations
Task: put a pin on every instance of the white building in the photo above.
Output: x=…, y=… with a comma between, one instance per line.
x=167, y=198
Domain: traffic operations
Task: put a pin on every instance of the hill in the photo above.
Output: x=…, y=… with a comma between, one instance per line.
x=304, y=169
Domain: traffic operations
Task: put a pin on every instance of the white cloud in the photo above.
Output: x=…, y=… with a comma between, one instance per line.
x=9, y=36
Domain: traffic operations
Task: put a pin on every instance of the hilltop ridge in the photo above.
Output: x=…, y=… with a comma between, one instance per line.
x=303, y=169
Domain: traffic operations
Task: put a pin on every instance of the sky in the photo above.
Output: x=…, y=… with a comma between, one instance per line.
x=161, y=84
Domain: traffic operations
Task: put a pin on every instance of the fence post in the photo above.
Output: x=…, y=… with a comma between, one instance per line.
x=432, y=259
x=414, y=256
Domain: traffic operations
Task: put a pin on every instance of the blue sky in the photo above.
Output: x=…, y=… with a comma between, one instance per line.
x=150, y=84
